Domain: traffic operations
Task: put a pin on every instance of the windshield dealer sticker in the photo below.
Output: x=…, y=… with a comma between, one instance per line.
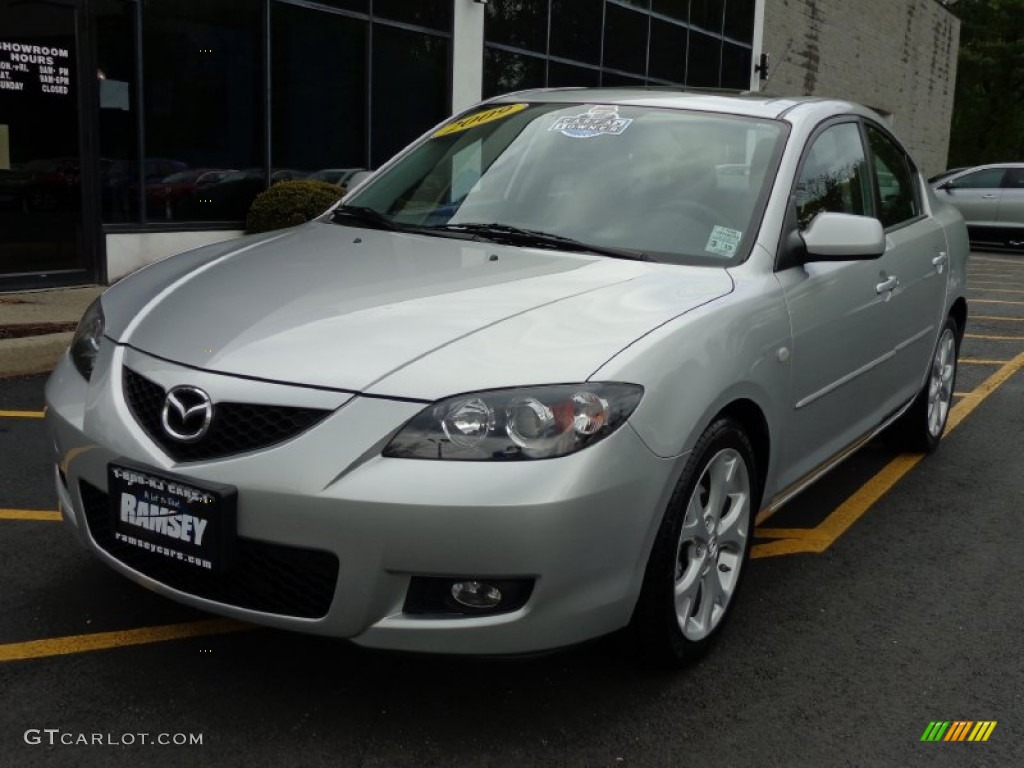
x=723, y=241
x=599, y=120
x=487, y=116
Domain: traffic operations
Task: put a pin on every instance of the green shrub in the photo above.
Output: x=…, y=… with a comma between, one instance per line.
x=288, y=203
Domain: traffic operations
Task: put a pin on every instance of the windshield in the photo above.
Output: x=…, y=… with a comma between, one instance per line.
x=684, y=187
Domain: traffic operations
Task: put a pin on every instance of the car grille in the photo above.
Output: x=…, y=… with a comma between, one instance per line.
x=235, y=427
x=272, y=578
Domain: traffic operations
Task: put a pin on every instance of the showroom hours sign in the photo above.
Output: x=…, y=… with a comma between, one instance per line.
x=38, y=68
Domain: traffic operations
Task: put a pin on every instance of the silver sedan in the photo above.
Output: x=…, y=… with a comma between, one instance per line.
x=528, y=384
x=991, y=199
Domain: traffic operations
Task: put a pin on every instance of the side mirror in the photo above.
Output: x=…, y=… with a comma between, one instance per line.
x=946, y=186
x=843, y=237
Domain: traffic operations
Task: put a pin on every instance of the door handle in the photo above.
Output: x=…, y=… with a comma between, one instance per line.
x=989, y=196
x=940, y=259
x=887, y=285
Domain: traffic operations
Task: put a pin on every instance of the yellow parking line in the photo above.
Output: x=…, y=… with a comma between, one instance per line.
x=976, y=361
x=993, y=338
x=997, y=301
x=989, y=260
x=823, y=535
x=28, y=514
x=998, y=317
x=23, y=414
x=99, y=641
x=996, y=290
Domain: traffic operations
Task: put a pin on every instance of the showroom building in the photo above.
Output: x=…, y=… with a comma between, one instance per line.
x=133, y=129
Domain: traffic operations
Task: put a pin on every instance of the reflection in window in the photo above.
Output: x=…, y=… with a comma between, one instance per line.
x=566, y=75
x=519, y=23
x=668, y=51
x=314, y=54
x=115, y=59
x=625, y=40
x=703, y=43
x=433, y=14
x=677, y=9
x=736, y=66
x=202, y=103
x=703, y=68
x=410, y=73
x=576, y=30
x=505, y=71
x=739, y=20
x=896, y=189
x=834, y=176
x=707, y=14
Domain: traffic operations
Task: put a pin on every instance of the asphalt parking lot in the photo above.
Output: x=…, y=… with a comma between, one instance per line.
x=884, y=599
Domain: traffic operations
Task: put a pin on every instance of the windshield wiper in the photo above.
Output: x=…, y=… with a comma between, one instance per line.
x=364, y=215
x=505, y=233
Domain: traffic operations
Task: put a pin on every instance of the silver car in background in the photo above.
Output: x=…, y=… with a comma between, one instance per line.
x=991, y=199
x=529, y=384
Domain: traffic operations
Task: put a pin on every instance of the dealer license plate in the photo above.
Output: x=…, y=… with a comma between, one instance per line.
x=185, y=521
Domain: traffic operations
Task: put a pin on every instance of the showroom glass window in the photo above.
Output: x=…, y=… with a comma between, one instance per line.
x=118, y=110
x=202, y=108
x=536, y=43
x=894, y=175
x=313, y=54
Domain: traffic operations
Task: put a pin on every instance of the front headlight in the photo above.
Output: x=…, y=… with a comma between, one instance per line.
x=513, y=424
x=85, y=344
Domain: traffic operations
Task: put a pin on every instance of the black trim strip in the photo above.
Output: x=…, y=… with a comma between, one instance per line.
x=262, y=380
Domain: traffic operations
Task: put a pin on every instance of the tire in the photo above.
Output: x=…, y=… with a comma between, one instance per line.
x=701, y=549
x=920, y=429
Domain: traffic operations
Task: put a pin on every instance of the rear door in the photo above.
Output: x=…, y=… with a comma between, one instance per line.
x=916, y=255
x=1011, y=205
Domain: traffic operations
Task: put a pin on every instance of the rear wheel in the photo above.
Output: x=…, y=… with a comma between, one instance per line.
x=921, y=427
x=699, y=555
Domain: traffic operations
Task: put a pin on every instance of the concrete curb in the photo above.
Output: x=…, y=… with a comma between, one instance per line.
x=32, y=354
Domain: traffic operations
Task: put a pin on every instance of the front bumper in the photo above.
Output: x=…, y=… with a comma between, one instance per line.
x=581, y=526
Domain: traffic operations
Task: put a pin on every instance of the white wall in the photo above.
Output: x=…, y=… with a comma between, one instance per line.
x=131, y=251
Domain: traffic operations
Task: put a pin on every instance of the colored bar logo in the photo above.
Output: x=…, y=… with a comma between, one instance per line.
x=958, y=730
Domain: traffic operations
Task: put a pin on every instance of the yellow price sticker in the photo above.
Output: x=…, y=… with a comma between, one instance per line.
x=487, y=116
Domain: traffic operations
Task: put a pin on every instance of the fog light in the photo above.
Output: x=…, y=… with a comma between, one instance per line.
x=476, y=594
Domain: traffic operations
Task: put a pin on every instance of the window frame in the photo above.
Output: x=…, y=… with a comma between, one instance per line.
x=915, y=174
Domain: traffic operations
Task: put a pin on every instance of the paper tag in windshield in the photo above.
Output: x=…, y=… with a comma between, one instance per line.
x=723, y=241
x=479, y=118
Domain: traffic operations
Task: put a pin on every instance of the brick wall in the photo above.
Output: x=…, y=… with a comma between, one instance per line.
x=895, y=56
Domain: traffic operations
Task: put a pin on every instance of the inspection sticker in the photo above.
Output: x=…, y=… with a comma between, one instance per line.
x=599, y=120
x=487, y=116
x=723, y=241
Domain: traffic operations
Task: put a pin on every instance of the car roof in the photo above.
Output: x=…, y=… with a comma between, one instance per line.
x=751, y=104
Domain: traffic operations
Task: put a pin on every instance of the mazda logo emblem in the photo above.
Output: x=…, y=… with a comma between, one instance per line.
x=187, y=413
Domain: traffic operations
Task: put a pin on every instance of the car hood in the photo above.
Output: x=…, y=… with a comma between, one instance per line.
x=397, y=314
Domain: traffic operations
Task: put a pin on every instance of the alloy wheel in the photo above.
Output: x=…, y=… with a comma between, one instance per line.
x=712, y=544
x=940, y=383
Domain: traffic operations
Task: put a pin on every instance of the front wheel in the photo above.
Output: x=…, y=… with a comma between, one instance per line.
x=921, y=427
x=701, y=549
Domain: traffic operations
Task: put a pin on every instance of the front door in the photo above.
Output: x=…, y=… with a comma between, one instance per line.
x=44, y=237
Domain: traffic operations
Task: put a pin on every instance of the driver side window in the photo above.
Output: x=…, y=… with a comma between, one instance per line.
x=834, y=176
